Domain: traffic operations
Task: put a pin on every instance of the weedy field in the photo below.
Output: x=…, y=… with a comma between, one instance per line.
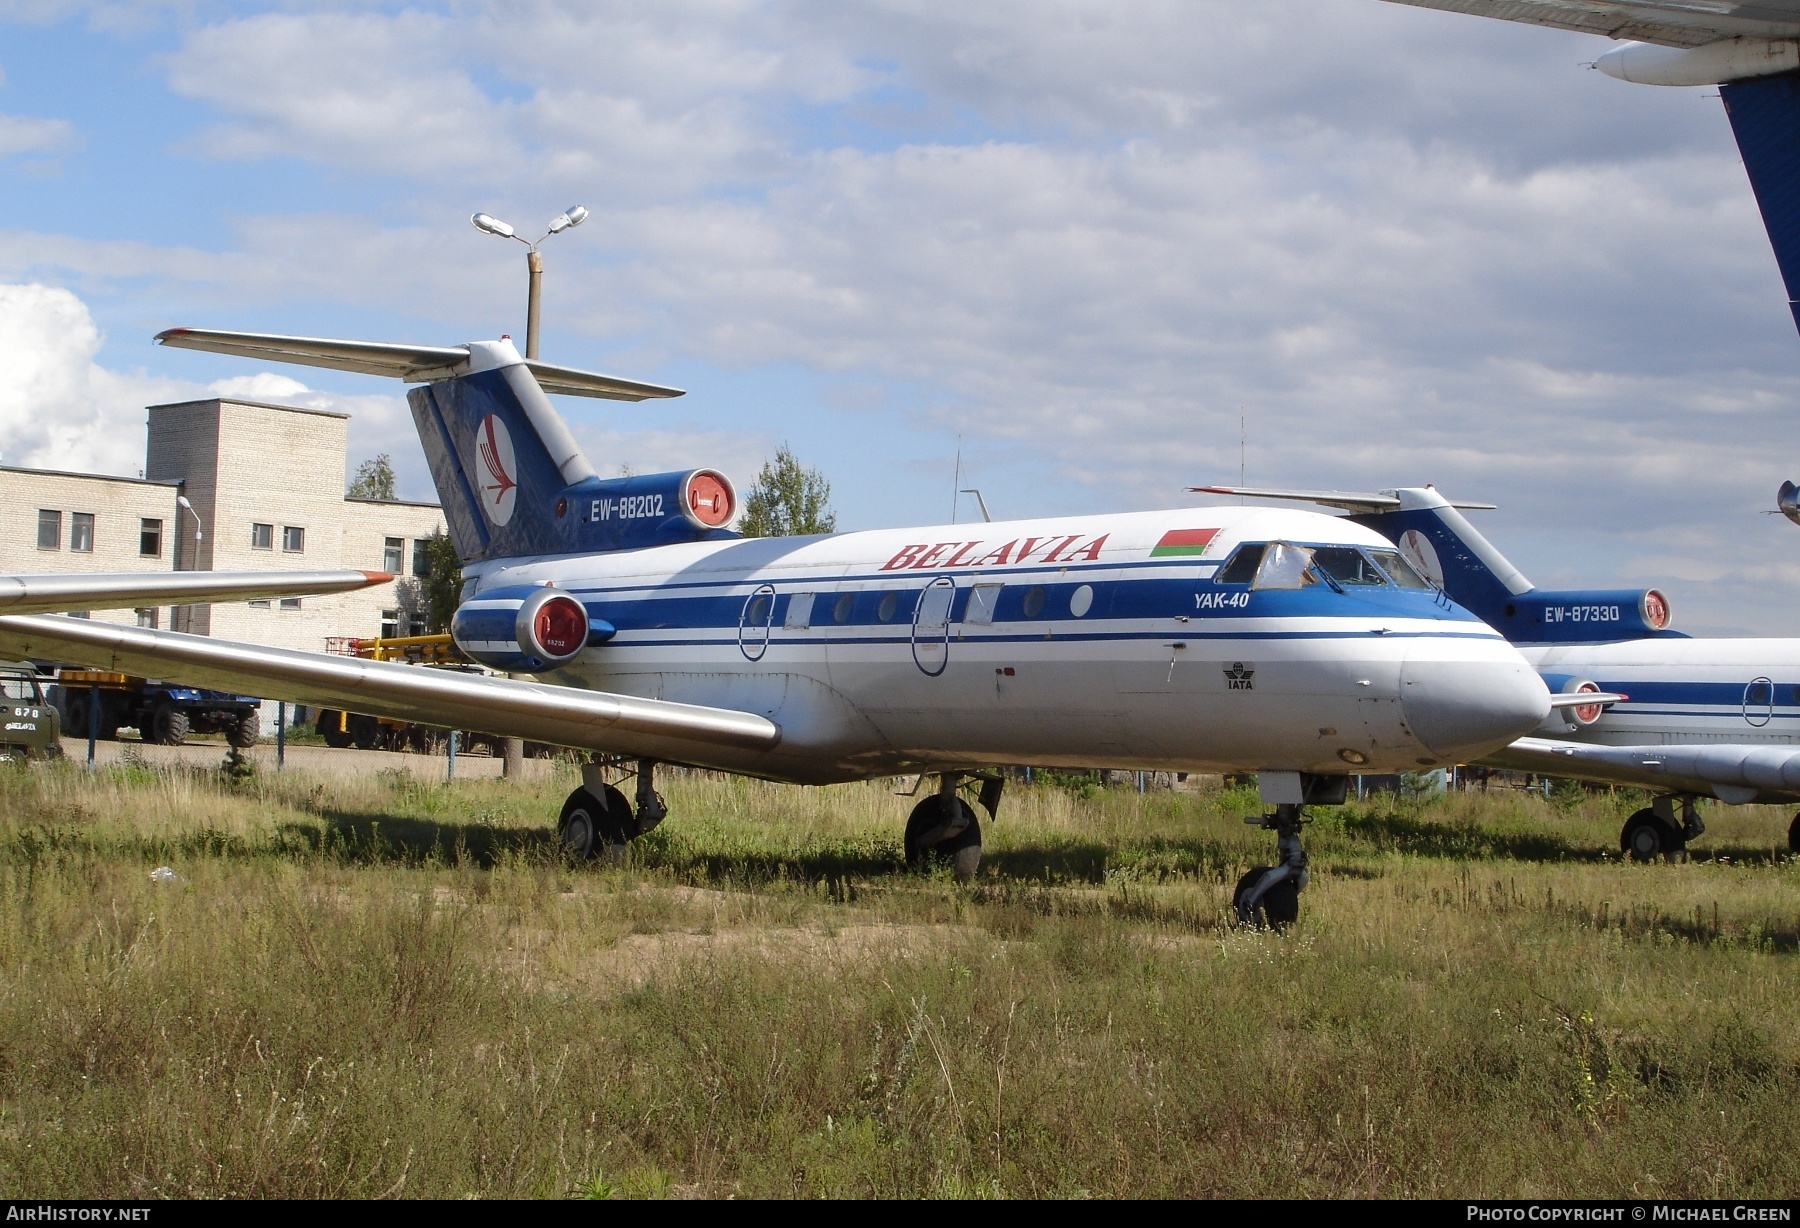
x=385, y=988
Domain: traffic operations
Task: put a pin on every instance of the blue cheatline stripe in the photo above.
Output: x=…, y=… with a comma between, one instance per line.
x=904, y=636
x=1707, y=694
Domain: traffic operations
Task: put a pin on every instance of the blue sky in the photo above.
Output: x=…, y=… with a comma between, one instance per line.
x=1406, y=246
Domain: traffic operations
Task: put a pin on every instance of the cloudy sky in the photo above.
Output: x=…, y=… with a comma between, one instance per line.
x=1086, y=239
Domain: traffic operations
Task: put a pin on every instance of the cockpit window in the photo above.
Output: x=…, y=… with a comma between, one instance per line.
x=1348, y=566
x=1285, y=565
x=1242, y=567
x=1399, y=570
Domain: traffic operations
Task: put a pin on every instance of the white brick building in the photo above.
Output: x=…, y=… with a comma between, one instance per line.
x=266, y=483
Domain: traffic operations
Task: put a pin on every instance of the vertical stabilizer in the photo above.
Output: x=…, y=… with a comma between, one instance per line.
x=1765, y=118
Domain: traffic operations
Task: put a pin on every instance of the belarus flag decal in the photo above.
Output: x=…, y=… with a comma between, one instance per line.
x=1177, y=543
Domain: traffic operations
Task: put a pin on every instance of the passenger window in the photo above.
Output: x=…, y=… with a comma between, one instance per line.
x=1242, y=567
x=1348, y=567
x=1285, y=566
x=840, y=613
x=1033, y=605
x=890, y=605
x=1399, y=570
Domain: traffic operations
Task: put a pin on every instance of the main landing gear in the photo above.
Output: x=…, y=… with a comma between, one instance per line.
x=596, y=818
x=1657, y=832
x=943, y=827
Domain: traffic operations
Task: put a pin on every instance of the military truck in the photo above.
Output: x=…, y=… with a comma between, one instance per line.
x=160, y=711
x=31, y=725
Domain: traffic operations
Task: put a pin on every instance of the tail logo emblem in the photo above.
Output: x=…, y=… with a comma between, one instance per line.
x=1416, y=548
x=499, y=485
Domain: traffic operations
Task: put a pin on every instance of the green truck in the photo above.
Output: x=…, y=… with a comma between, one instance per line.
x=32, y=728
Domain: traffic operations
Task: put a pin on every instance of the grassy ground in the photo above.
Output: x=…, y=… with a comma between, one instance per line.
x=380, y=987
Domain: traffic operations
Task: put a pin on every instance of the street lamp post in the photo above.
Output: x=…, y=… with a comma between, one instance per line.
x=513, y=749
x=534, y=261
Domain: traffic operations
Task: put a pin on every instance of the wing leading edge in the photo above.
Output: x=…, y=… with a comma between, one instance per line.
x=562, y=716
x=48, y=594
x=1736, y=774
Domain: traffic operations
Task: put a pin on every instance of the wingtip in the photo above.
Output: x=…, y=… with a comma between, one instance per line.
x=378, y=577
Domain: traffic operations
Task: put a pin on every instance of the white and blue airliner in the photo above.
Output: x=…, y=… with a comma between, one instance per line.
x=634, y=623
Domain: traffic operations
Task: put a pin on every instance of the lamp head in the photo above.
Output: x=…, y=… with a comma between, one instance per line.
x=491, y=225
x=574, y=216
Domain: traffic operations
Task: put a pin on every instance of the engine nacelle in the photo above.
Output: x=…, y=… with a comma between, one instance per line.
x=525, y=629
x=1583, y=616
x=1729, y=59
x=649, y=509
x=1580, y=717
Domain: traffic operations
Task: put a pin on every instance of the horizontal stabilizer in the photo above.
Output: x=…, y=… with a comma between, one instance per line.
x=125, y=590
x=561, y=716
x=416, y=364
x=1672, y=23
x=1734, y=773
x=1347, y=500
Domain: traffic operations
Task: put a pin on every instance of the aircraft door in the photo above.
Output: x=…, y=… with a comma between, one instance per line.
x=931, y=626
x=753, y=623
x=1759, y=702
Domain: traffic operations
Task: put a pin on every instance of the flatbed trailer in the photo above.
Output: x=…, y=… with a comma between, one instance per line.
x=160, y=711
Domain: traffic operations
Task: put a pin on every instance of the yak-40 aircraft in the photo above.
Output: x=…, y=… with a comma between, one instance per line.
x=1287, y=643
x=1699, y=718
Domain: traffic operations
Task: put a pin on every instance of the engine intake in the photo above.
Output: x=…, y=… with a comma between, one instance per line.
x=526, y=629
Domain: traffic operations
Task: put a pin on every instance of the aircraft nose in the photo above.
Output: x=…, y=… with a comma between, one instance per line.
x=1471, y=699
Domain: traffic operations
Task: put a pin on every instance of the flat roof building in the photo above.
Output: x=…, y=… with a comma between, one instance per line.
x=266, y=485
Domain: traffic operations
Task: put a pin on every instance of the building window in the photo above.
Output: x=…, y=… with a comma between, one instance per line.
x=262, y=537
x=290, y=603
x=261, y=603
x=150, y=538
x=81, y=532
x=49, y=530
x=147, y=617
x=393, y=553
x=422, y=557
x=293, y=538
x=390, y=624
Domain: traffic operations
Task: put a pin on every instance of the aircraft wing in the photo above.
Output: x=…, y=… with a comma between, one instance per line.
x=1737, y=774
x=122, y=590
x=1672, y=23
x=562, y=716
x=416, y=364
x=1360, y=502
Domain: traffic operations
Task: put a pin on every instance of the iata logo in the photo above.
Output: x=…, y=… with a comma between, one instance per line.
x=498, y=487
x=1417, y=549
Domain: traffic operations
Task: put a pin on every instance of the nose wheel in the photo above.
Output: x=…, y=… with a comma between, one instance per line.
x=1269, y=896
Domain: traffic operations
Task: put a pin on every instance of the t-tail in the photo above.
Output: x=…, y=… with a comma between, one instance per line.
x=512, y=480
x=1437, y=539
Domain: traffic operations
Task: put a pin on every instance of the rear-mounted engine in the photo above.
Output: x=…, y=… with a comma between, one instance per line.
x=526, y=629
x=652, y=509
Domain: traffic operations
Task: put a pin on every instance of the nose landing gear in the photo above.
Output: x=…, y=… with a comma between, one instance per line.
x=1270, y=895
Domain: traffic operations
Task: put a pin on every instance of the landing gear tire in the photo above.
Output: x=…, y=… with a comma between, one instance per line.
x=1647, y=836
x=1279, y=906
x=169, y=725
x=591, y=825
x=930, y=836
x=365, y=731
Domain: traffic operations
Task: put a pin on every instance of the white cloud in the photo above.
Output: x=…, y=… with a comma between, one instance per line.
x=59, y=409
x=20, y=134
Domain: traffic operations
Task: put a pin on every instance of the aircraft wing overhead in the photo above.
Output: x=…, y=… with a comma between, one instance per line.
x=1737, y=774
x=1672, y=23
x=416, y=364
x=123, y=590
x=562, y=716
x=1360, y=502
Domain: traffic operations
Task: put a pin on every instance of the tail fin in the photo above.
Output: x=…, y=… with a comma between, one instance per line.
x=1765, y=118
x=500, y=455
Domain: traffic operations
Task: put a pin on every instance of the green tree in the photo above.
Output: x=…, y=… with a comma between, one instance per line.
x=374, y=479
x=788, y=500
x=441, y=585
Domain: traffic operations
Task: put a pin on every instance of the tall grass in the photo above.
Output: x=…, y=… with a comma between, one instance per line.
x=385, y=988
